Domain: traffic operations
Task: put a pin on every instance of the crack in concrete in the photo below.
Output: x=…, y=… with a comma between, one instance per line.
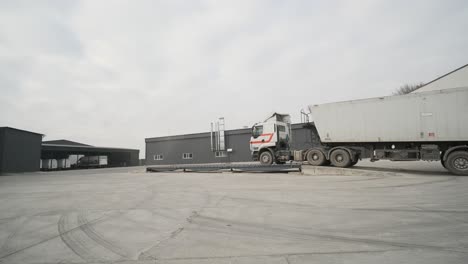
x=145, y=256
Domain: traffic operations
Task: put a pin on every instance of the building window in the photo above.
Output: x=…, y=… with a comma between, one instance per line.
x=187, y=156
x=220, y=154
x=158, y=157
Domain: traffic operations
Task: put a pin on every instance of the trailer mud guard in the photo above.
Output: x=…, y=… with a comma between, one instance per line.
x=450, y=150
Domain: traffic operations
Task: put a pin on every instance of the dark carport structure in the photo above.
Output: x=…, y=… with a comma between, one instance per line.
x=63, y=149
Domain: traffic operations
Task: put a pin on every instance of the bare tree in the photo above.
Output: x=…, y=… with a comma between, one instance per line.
x=407, y=88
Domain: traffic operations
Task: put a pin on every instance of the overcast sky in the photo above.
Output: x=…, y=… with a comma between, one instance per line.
x=111, y=73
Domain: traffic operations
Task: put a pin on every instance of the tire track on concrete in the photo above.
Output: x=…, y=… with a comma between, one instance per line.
x=49, y=238
x=80, y=243
x=268, y=202
x=411, y=210
x=111, y=252
x=91, y=232
x=219, y=225
x=415, y=184
x=346, y=172
x=85, y=242
x=95, y=221
x=45, y=213
x=145, y=255
x=6, y=247
x=98, y=238
x=63, y=225
x=279, y=255
x=367, y=179
x=400, y=171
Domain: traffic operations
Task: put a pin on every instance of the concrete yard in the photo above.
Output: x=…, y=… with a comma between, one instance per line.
x=374, y=215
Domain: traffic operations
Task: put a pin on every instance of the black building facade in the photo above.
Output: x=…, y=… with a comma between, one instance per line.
x=20, y=150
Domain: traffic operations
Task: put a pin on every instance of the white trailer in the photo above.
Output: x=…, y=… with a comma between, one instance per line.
x=63, y=164
x=431, y=126
x=48, y=164
x=430, y=117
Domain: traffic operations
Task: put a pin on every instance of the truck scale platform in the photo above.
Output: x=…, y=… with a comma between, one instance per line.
x=289, y=167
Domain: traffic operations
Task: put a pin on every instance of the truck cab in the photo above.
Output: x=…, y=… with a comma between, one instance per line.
x=270, y=140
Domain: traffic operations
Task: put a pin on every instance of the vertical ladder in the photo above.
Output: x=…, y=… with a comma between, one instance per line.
x=218, y=142
x=221, y=140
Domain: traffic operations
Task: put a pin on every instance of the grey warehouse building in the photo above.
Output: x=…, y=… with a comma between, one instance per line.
x=20, y=150
x=23, y=151
x=196, y=148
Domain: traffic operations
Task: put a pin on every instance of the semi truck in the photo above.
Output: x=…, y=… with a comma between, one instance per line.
x=429, y=126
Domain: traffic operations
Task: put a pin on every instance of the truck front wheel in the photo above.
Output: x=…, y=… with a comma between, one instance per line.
x=340, y=158
x=266, y=158
x=354, y=162
x=457, y=162
x=316, y=157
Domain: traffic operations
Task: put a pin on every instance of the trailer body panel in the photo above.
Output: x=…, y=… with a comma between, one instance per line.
x=428, y=117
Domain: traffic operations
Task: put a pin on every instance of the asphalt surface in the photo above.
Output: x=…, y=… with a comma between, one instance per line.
x=387, y=213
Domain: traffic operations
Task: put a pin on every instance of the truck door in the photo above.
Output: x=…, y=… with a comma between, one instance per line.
x=427, y=121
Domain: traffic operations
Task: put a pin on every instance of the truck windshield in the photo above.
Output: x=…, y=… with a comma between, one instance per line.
x=257, y=131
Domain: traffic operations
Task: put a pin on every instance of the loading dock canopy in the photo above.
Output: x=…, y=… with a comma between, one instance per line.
x=62, y=149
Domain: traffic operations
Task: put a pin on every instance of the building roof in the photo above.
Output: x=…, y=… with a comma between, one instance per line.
x=68, y=145
x=64, y=142
x=207, y=134
x=197, y=135
x=443, y=76
x=60, y=147
x=21, y=130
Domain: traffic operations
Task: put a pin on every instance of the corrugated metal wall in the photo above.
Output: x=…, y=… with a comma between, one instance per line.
x=172, y=148
x=122, y=159
x=2, y=133
x=21, y=150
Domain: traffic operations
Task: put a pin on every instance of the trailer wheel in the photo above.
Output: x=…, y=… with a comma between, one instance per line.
x=457, y=162
x=266, y=158
x=340, y=158
x=316, y=157
x=442, y=161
